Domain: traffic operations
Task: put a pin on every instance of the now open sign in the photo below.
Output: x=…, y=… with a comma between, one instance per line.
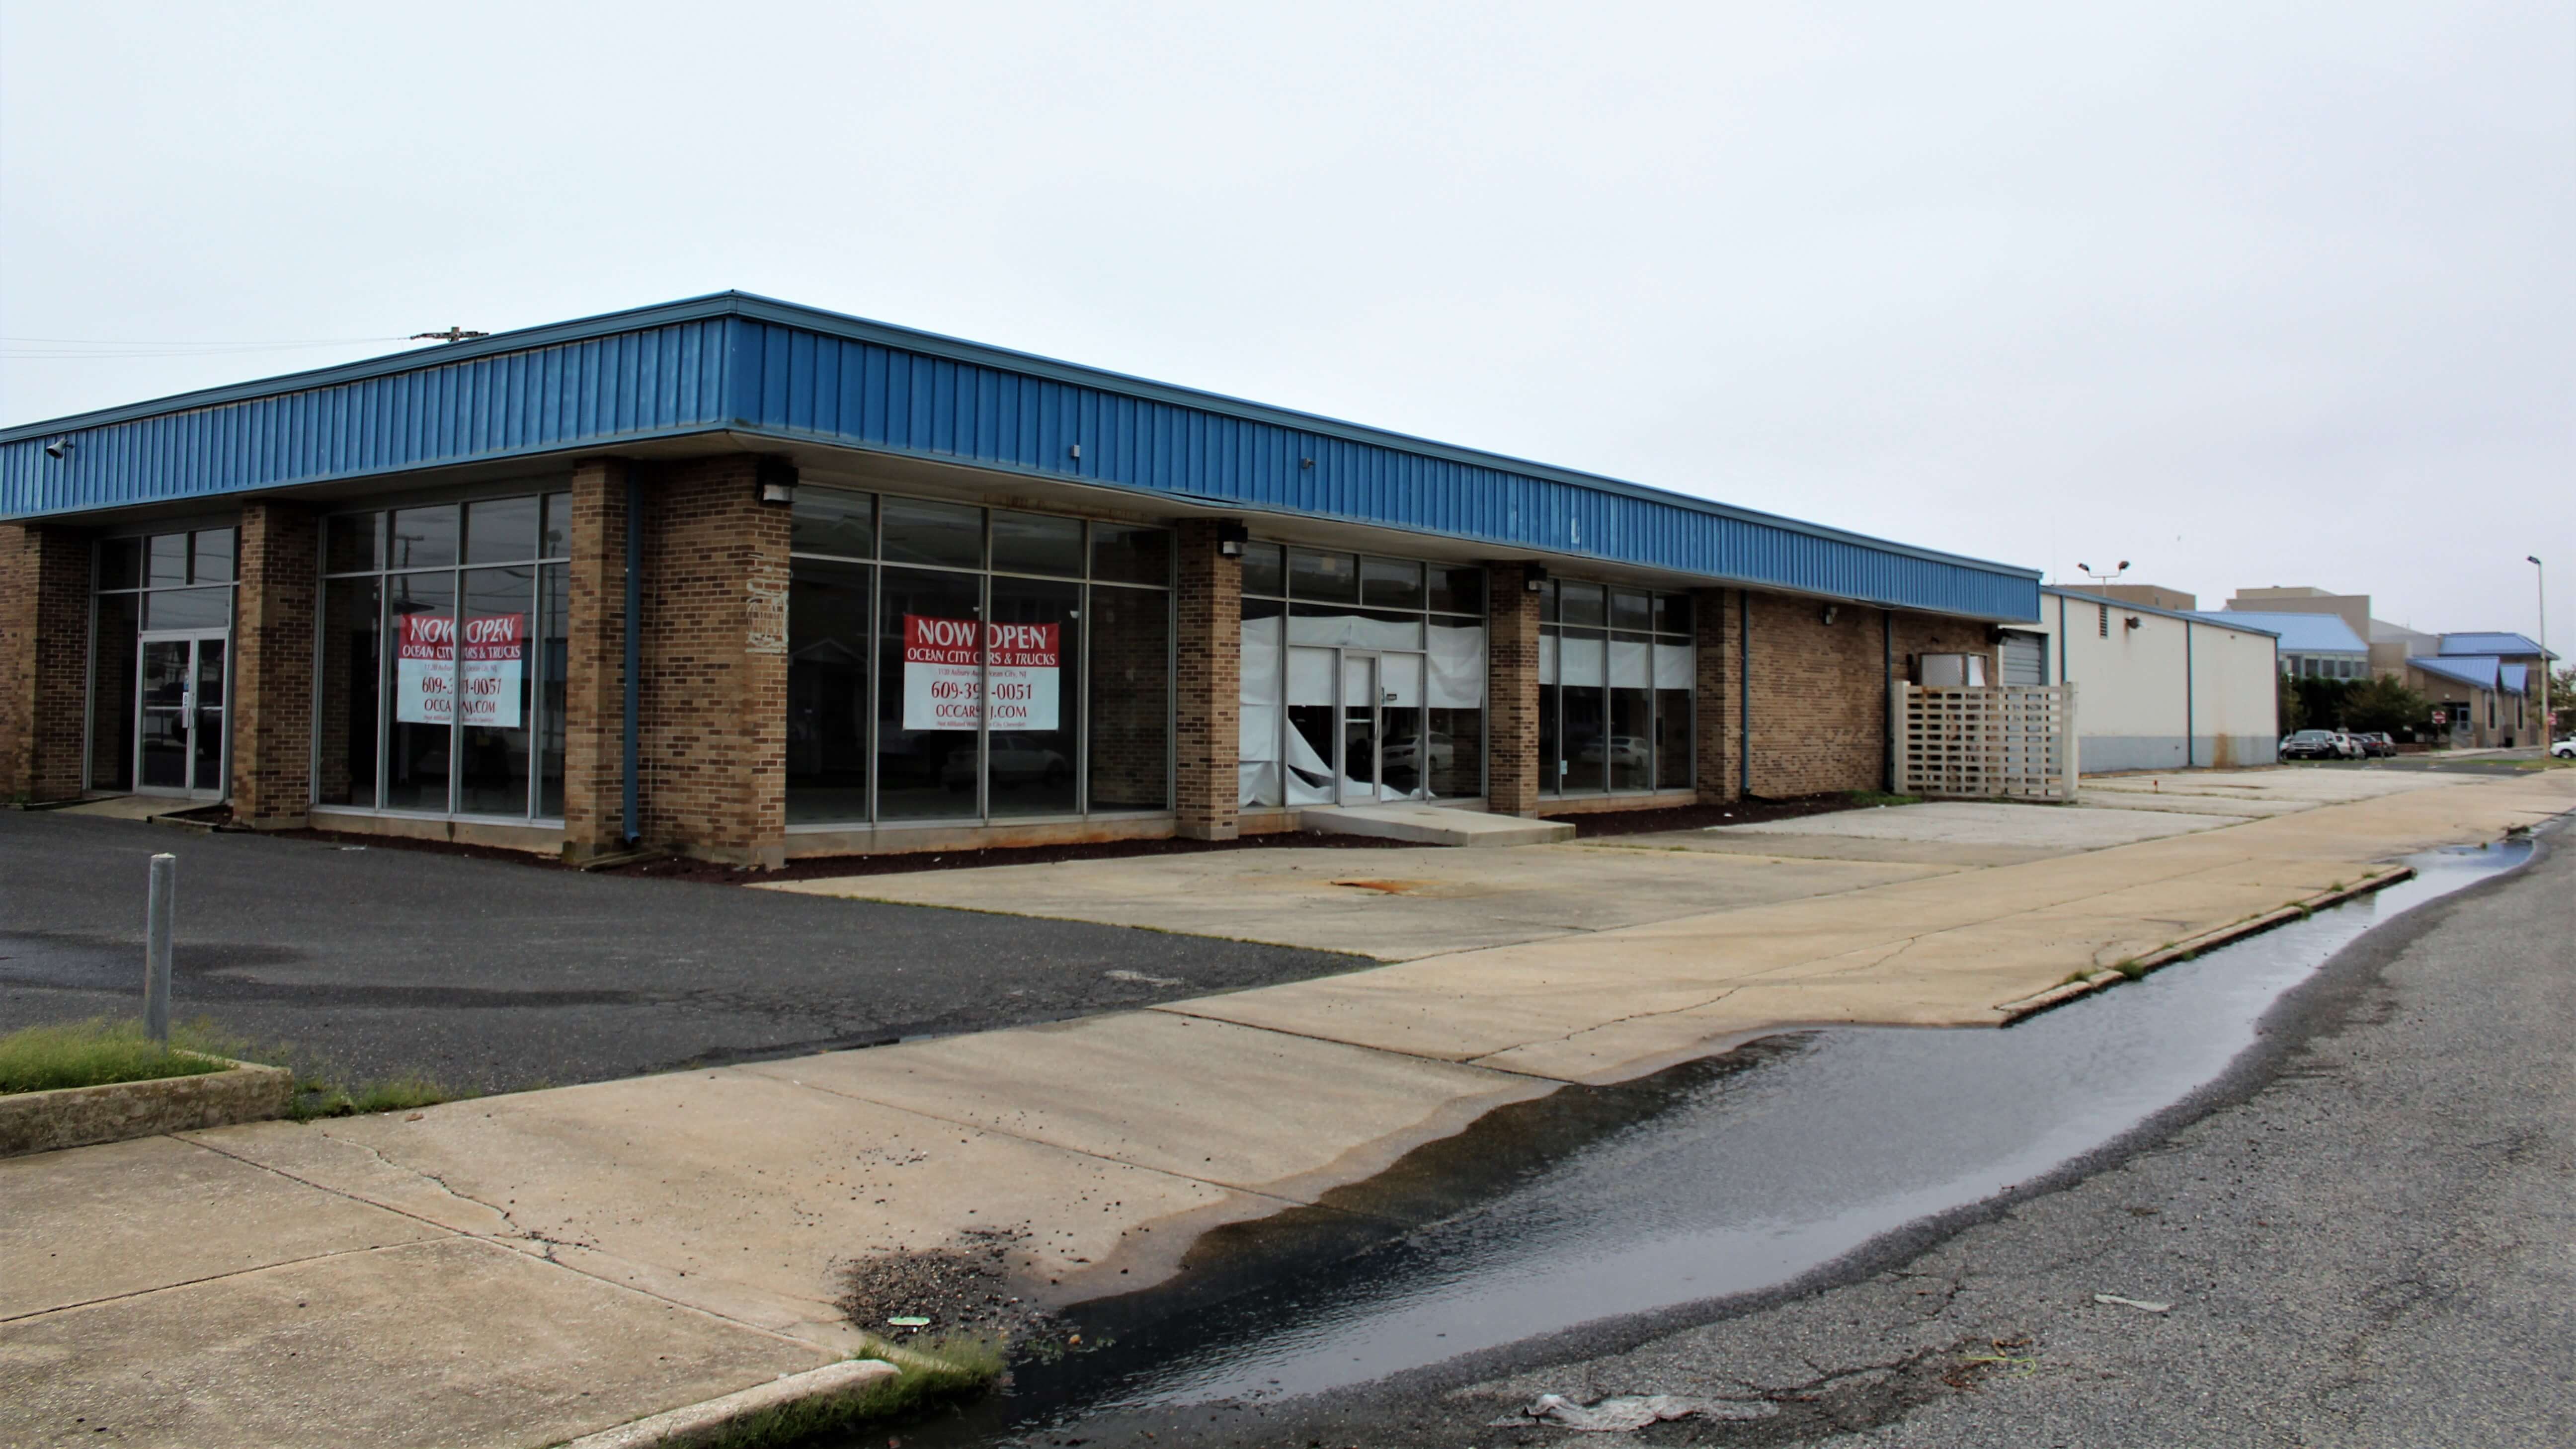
x=956, y=672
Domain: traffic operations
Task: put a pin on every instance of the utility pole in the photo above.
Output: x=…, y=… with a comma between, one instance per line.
x=453, y=333
x=2540, y=583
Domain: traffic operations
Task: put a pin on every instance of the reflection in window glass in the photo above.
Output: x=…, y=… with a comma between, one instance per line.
x=1130, y=697
x=1032, y=697
x=188, y=608
x=420, y=657
x=1035, y=543
x=1580, y=603
x=1551, y=709
x=556, y=542
x=828, y=643
x=168, y=556
x=1123, y=554
x=1676, y=746
x=1327, y=577
x=423, y=537
x=1391, y=583
x=352, y=542
x=554, y=616
x=1265, y=569
x=1629, y=610
x=493, y=687
x=1628, y=754
x=349, y=671
x=501, y=530
x=211, y=556
x=927, y=750
x=1673, y=613
x=919, y=531
x=834, y=521
x=1581, y=659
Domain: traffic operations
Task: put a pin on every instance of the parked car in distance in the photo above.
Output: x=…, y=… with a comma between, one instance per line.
x=1630, y=751
x=1406, y=753
x=2378, y=744
x=2564, y=749
x=2310, y=745
x=1017, y=760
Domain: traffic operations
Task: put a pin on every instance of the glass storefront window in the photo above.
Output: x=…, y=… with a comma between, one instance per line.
x=1615, y=694
x=210, y=556
x=159, y=665
x=963, y=691
x=442, y=678
x=1366, y=682
x=920, y=531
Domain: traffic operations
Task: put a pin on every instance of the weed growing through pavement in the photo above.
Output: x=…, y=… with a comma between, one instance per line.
x=946, y=1369
x=320, y=1097
x=102, y=1050
x=1880, y=797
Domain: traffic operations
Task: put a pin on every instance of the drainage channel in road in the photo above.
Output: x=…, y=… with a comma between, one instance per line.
x=1718, y=1178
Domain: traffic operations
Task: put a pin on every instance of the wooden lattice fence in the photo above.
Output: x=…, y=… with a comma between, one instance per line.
x=2013, y=742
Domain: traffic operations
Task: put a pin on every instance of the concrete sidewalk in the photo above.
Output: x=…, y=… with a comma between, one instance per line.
x=523, y=1269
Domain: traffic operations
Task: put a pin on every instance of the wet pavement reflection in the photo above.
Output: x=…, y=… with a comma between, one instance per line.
x=1712, y=1179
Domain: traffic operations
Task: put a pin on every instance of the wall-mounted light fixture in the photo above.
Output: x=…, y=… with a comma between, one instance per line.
x=1076, y=452
x=2131, y=622
x=1305, y=462
x=59, y=448
x=1533, y=575
x=1231, y=537
x=776, y=481
x=1830, y=611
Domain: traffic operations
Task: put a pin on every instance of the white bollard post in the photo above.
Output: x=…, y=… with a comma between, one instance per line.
x=158, y=905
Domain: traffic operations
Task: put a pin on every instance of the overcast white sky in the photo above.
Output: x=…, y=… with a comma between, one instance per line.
x=2246, y=293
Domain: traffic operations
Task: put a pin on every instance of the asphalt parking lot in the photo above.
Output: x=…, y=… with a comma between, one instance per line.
x=495, y=975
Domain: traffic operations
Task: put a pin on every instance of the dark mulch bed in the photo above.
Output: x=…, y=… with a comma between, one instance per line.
x=823, y=867
x=1750, y=810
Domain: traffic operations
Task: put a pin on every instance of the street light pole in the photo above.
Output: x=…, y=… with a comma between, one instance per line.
x=2540, y=584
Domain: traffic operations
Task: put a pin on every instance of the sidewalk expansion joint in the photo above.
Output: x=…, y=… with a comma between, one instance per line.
x=213, y=1278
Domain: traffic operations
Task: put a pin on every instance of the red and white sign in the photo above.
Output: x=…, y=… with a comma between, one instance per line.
x=950, y=677
x=2441, y=717
x=429, y=685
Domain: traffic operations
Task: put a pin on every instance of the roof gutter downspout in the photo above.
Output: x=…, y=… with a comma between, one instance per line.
x=634, y=649
x=2190, y=706
x=1887, y=688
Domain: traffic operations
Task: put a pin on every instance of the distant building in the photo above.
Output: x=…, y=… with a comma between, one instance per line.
x=2155, y=689
x=2353, y=609
x=2486, y=684
x=2154, y=596
x=2313, y=646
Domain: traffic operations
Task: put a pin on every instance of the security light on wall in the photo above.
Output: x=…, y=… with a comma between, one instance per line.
x=1830, y=611
x=777, y=481
x=1230, y=539
x=59, y=448
x=2131, y=622
x=1533, y=575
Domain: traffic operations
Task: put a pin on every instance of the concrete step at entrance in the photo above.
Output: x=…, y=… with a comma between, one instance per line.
x=1433, y=825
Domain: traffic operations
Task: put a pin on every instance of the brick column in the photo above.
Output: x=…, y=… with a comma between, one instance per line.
x=273, y=644
x=1207, y=706
x=1511, y=692
x=44, y=660
x=715, y=662
x=595, y=663
x=1717, y=622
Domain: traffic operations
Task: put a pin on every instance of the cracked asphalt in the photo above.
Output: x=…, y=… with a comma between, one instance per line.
x=2363, y=1232
x=492, y=975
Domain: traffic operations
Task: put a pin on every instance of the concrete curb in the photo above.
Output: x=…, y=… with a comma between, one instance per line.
x=709, y=1421
x=84, y=1116
x=2184, y=950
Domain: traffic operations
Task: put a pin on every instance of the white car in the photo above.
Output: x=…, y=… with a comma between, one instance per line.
x=2564, y=749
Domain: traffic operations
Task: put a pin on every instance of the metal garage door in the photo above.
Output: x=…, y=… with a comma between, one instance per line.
x=2025, y=657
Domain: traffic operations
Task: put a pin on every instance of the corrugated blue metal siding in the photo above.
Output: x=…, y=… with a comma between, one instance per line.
x=749, y=365
x=898, y=401
x=632, y=384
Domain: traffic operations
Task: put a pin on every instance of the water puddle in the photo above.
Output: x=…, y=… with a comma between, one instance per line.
x=1711, y=1179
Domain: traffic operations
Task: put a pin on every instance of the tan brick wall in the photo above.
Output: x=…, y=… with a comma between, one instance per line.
x=1207, y=685
x=1716, y=623
x=714, y=710
x=44, y=660
x=595, y=662
x=1819, y=691
x=1511, y=692
x=272, y=713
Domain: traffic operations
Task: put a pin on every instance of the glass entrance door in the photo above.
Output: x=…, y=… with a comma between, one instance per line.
x=179, y=702
x=1363, y=728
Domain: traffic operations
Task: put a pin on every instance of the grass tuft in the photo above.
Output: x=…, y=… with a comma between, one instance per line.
x=323, y=1098
x=1880, y=797
x=959, y=1367
x=102, y=1050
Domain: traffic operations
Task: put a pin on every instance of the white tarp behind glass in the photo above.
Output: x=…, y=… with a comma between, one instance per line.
x=1276, y=679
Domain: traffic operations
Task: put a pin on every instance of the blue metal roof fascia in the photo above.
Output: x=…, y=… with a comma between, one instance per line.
x=2460, y=667
x=2485, y=642
x=304, y=428
x=2187, y=615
